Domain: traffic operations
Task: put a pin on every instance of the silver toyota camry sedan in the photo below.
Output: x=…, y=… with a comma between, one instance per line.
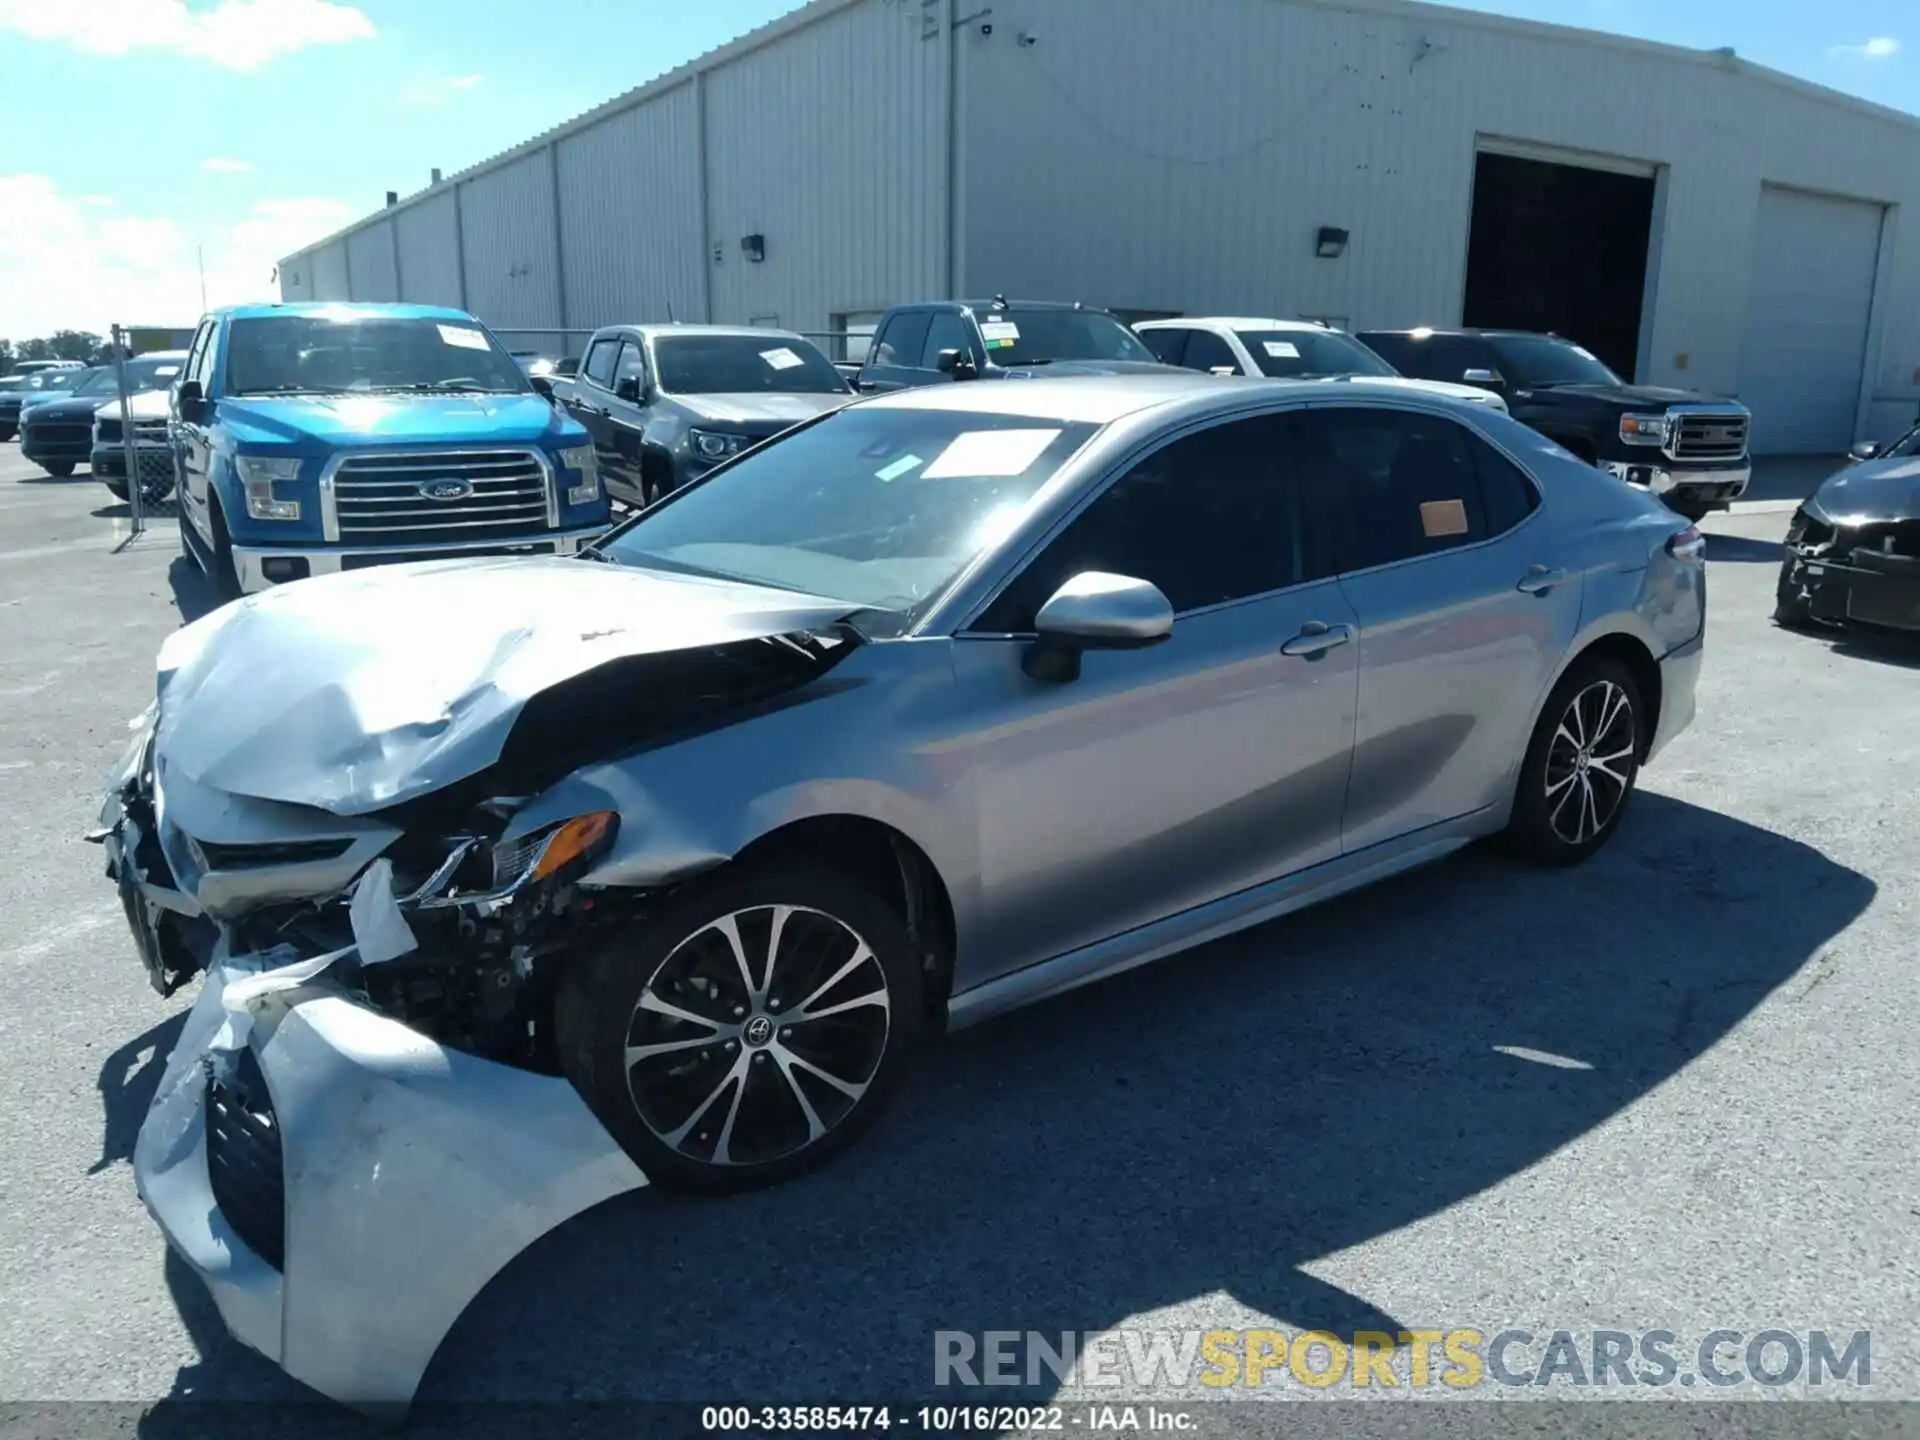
x=522, y=881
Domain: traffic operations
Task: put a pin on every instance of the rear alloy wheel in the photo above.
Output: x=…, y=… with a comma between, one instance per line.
x=750, y=1030
x=1580, y=768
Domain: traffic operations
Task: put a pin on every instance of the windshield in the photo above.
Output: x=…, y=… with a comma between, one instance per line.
x=1035, y=337
x=150, y=374
x=880, y=508
x=1311, y=354
x=1540, y=361
x=357, y=353
x=736, y=364
x=57, y=379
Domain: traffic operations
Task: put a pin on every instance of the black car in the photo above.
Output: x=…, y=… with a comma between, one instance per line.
x=1853, y=548
x=667, y=403
x=1688, y=448
x=58, y=435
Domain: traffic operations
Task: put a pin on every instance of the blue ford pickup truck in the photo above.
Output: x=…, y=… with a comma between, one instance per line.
x=325, y=437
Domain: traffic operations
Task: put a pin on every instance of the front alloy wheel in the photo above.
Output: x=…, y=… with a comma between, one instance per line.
x=1581, y=764
x=750, y=1030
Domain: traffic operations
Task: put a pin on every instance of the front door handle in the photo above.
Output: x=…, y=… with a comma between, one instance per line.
x=1539, y=579
x=1316, y=638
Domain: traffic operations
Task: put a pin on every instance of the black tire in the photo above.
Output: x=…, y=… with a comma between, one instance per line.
x=1791, y=610
x=656, y=478
x=7, y=432
x=223, y=573
x=59, y=469
x=117, y=488
x=765, y=1118
x=1552, y=776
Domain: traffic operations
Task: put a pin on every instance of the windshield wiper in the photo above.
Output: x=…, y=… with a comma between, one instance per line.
x=296, y=390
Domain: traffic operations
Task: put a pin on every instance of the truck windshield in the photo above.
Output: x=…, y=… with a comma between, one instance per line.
x=356, y=354
x=1539, y=362
x=1035, y=337
x=1311, y=354
x=735, y=364
x=879, y=508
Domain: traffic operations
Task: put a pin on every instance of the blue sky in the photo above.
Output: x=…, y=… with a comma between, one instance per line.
x=238, y=130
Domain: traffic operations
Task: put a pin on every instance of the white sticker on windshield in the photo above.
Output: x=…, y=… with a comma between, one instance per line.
x=162, y=371
x=990, y=453
x=1000, y=334
x=463, y=337
x=781, y=359
x=1282, y=350
x=897, y=468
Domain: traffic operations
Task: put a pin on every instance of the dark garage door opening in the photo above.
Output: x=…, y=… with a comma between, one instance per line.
x=1560, y=248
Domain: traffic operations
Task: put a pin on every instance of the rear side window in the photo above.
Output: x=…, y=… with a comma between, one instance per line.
x=1408, y=480
x=1168, y=346
x=600, y=358
x=902, y=341
x=1438, y=357
x=1506, y=494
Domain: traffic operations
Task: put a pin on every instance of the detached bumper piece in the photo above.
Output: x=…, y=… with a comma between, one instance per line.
x=1869, y=575
x=345, y=1186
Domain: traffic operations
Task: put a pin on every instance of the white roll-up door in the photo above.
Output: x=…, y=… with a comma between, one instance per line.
x=1814, y=260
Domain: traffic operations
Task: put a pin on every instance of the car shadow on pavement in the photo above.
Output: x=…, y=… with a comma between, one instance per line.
x=128, y=1079
x=1208, y=1125
x=193, y=592
x=1739, y=547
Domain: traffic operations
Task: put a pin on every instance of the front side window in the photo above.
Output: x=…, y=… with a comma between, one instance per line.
x=1540, y=362
x=352, y=352
x=1212, y=517
x=1035, y=337
x=743, y=364
x=903, y=340
x=876, y=507
x=1311, y=354
x=632, y=364
x=1407, y=479
x=947, y=332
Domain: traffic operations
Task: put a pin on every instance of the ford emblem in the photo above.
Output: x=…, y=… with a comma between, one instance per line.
x=446, y=488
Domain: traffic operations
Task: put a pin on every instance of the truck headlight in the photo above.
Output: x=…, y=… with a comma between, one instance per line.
x=584, y=462
x=257, y=476
x=1643, y=429
x=715, y=444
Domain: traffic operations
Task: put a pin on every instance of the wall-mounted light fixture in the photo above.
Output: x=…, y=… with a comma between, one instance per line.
x=754, y=247
x=1330, y=243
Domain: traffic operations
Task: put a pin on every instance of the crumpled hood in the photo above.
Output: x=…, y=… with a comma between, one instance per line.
x=772, y=410
x=347, y=420
x=1873, y=490
x=356, y=691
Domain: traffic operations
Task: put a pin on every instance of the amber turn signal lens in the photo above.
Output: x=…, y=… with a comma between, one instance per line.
x=579, y=836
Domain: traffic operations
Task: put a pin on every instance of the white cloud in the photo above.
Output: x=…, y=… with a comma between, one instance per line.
x=238, y=34
x=101, y=202
x=224, y=165
x=90, y=269
x=438, y=89
x=1881, y=47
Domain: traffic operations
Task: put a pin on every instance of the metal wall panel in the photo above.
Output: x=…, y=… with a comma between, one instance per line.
x=296, y=276
x=429, y=251
x=507, y=227
x=830, y=143
x=329, y=265
x=630, y=214
x=1185, y=160
x=370, y=262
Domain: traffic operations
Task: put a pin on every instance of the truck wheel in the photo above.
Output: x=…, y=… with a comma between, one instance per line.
x=117, y=489
x=59, y=469
x=7, y=432
x=224, y=574
x=747, y=1031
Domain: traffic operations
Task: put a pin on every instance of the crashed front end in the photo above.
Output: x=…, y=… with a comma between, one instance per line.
x=363, y=1119
x=1853, y=569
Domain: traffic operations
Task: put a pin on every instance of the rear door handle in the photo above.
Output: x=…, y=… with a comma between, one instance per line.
x=1539, y=579
x=1316, y=638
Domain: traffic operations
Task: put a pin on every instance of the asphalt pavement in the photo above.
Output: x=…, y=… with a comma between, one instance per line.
x=1672, y=1090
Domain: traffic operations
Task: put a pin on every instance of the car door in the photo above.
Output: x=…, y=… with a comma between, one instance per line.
x=591, y=402
x=1165, y=778
x=894, y=361
x=626, y=418
x=191, y=439
x=1464, y=606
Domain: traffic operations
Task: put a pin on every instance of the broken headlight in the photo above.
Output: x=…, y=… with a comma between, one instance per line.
x=548, y=851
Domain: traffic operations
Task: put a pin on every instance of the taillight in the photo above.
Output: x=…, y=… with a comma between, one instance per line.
x=1688, y=546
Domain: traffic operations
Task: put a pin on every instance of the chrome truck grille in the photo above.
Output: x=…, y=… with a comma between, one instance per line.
x=1707, y=435
x=422, y=498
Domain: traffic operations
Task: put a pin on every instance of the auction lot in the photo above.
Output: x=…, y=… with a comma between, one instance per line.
x=1671, y=1090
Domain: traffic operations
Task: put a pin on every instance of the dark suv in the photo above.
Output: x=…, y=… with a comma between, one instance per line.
x=1689, y=449
x=998, y=339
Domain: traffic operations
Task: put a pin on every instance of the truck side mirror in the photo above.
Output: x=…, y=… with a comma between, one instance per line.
x=191, y=401
x=630, y=390
x=1479, y=376
x=957, y=363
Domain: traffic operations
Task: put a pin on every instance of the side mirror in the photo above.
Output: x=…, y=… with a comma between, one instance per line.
x=1482, y=377
x=957, y=363
x=1096, y=611
x=630, y=389
x=542, y=384
x=1865, y=450
x=191, y=401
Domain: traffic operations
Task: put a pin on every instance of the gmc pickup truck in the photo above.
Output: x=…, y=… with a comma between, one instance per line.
x=324, y=437
x=1687, y=448
x=997, y=339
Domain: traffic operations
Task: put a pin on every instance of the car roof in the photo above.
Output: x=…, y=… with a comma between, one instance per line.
x=1093, y=399
x=1425, y=332
x=344, y=307
x=675, y=327
x=1233, y=322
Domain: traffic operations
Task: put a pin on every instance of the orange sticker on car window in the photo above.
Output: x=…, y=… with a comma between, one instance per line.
x=1440, y=518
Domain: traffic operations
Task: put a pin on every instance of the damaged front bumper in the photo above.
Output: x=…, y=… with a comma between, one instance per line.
x=344, y=1185
x=1858, y=586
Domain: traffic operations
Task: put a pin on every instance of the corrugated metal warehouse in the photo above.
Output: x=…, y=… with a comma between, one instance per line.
x=1697, y=220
